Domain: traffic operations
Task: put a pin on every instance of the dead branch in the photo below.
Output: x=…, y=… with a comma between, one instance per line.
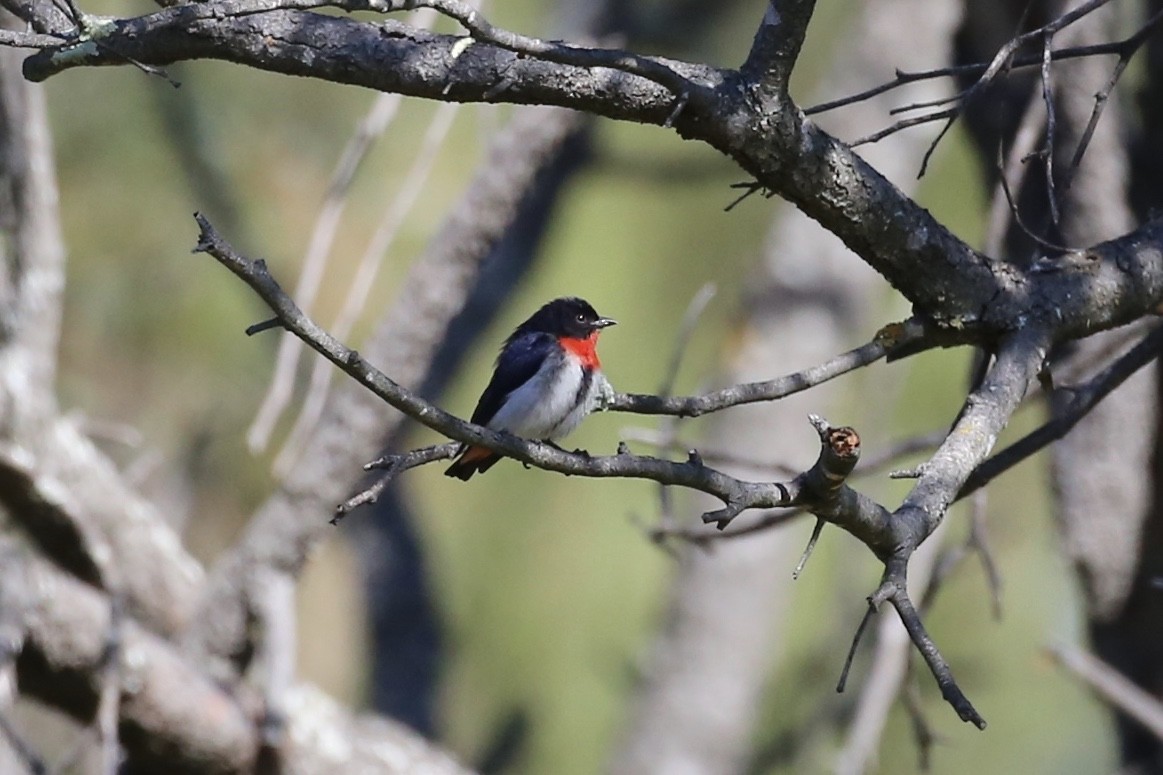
x=1112, y=687
x=909, y=333
x=283, y=531
x=998, y=67
x=943, y=277
x=821, y=488
x=1084, y=397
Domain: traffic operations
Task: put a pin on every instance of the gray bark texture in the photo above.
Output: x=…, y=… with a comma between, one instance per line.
x=108, y=618
x=696, y=711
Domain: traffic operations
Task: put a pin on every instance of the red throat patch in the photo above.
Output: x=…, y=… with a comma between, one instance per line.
x=584, y=349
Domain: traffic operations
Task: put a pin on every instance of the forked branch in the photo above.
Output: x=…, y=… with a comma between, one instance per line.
x=821, y=489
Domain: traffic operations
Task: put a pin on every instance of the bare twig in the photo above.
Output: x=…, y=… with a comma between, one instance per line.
x=1020, y=62
x=668, y=426
x=393, y=465
x=819, y=527
x=908, y=333
x=394, y=217
x=1051, y=127
x=1127, y=50
x=870, y=465
x=1000, y=65
x=1112, y=687
x=869, y=612
x=1017, y=215
x=937, y=664
x=323, y=233
x=887, y=677
x=1011, y=167
x=1085, y=397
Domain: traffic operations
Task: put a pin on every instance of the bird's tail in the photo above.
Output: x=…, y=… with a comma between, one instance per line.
x=471, y=461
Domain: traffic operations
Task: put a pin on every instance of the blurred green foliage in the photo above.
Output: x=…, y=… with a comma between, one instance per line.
x=547, y=587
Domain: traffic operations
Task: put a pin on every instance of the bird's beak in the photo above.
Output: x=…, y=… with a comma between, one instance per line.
x=604, y=323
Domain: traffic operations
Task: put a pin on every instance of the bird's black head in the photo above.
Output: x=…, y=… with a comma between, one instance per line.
x=569, y=316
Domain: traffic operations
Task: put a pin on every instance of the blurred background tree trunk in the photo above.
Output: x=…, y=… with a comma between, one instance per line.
x=726, y=618
x=1105, y=473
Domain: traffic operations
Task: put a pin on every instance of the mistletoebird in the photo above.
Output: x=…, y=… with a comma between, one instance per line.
x=547, y=379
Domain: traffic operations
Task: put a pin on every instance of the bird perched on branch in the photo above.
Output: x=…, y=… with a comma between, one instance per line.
x=547, y=379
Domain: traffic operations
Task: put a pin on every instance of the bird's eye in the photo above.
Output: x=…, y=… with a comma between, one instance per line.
x=581, y=318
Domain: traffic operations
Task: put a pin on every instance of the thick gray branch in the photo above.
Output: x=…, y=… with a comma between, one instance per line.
x=692, y=474
x=390, y=57
x=355, y=422
x=786, y=153
x=986, y=412
x=777, y=45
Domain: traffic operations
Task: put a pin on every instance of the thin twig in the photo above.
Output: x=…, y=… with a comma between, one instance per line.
x=1128, y=50
x=1010, y=165
x=323, y=233
x=819, y=527
x=888, y=674
x=393, y=465
x=904, y=77
x=1051, y=130
x=870, y=464
x=842, y=684
x=1001, y=64
x=1017, y=215
x=888, y=339
x=668, y=426
x=1083, y=398
x=1112, y=687
x=360, y=288
x=937, y=664
x=766, y=521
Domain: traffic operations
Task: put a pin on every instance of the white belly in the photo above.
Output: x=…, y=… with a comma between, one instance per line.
x=549, y=406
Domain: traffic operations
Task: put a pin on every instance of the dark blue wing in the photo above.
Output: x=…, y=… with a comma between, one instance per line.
x=520, y=359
